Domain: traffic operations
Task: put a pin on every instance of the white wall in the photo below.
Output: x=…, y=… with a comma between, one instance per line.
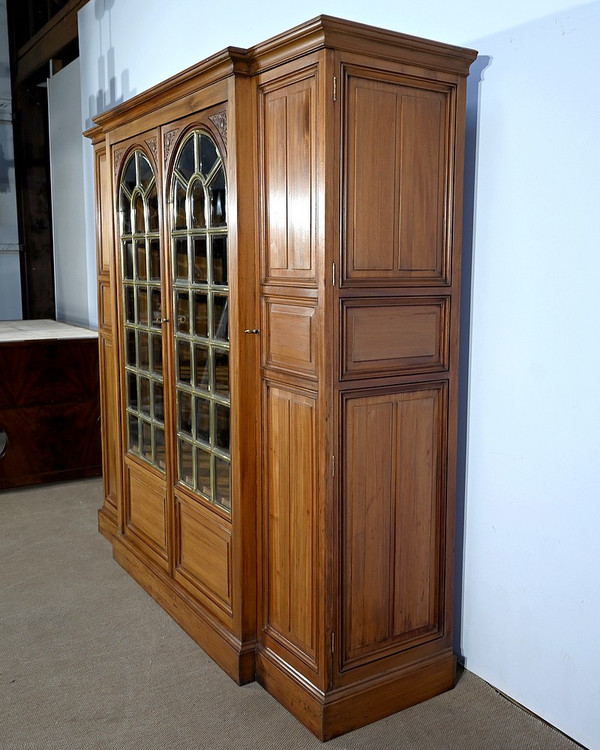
x=532, y=554
x=10, y=271
x=73, y=268
x=528, y=552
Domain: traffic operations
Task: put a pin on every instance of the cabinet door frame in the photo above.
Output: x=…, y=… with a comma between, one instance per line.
x=151, y=478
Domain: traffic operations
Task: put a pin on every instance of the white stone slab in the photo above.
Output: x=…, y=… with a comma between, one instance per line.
x=33, y=330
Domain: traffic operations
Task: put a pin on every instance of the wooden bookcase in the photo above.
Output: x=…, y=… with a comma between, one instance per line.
x=279, y=235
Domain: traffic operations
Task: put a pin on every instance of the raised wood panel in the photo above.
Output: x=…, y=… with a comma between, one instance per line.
x=387, y=337
x=103, y=212
x=395, y=189
x=290, y=519
x=109, y=421
x=392, y=522
x=288, y=153
x=145, y=509
x=203, y=556
x=289, y=336
x=105, y=306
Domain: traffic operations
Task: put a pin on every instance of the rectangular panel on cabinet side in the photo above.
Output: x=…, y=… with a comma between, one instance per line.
x=392, y=520
x=290, y=520
x=288, y=148
x=383, y=336
x=397, y=172
x=109, y=424
x=289, y=335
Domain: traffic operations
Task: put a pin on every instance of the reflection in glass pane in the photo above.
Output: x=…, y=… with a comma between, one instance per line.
x=203, y=420
x=142, y=306
x=159, y=402
x=153, y=210
x=159, y=448
x=219, y=260
x=221, y=376
x=144, y=363
x=145, y=396
x=129, y=178
x=155, y=308
x=146, y=440
x=138, y=212
x=182, y=311
x=128, y=260
x=198, y=218
x=133, y=432
x=222, y=426
x=185, y=163
x=129, y=304
x=200, y=309
x=132, y=396
x=141, y=260
x=130, y=347
x=223, y=482
x=202, y=373
x=184, y=401
x=145, y=173
x=217, y=199
x=157, y=355
x=186, y=462
x=220, y=317
x=181, y=259
x=208, y=154
x=204, y=473
x=142, y=311
x=183, y=362
x=201, y=314
x=125, y=213
x=200, y=262
x=154, y=260
x=180, y=221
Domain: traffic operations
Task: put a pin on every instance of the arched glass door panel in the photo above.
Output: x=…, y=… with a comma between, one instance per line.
x=201, y=325
x=141, y=279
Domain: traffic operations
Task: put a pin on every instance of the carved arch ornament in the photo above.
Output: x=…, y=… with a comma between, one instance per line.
x=220, y=122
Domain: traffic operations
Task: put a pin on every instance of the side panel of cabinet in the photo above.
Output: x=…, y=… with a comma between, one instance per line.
x=288, y=153
x=397, y=180
x=392, y=521
x=111, y=453
x=290, y=515
x=109, y=390
x=291, y=334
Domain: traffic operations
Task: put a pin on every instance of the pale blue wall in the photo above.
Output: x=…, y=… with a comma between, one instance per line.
x=528, y=537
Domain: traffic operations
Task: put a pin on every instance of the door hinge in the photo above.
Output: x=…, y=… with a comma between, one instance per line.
x=333, y=643
x=333, y=466
x=333, y=274
x=335, y=88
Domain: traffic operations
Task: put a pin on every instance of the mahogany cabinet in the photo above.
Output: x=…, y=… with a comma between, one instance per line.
x=279, y=235
x=49, y=403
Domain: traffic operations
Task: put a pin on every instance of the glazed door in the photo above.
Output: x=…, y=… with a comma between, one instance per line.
x=200, y=349
x=139, y=265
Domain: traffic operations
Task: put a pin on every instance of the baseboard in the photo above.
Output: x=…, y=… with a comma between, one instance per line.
x=107, y=523
x=345, y=709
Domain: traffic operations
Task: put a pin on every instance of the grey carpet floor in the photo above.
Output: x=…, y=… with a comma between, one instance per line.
x=89, y=660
